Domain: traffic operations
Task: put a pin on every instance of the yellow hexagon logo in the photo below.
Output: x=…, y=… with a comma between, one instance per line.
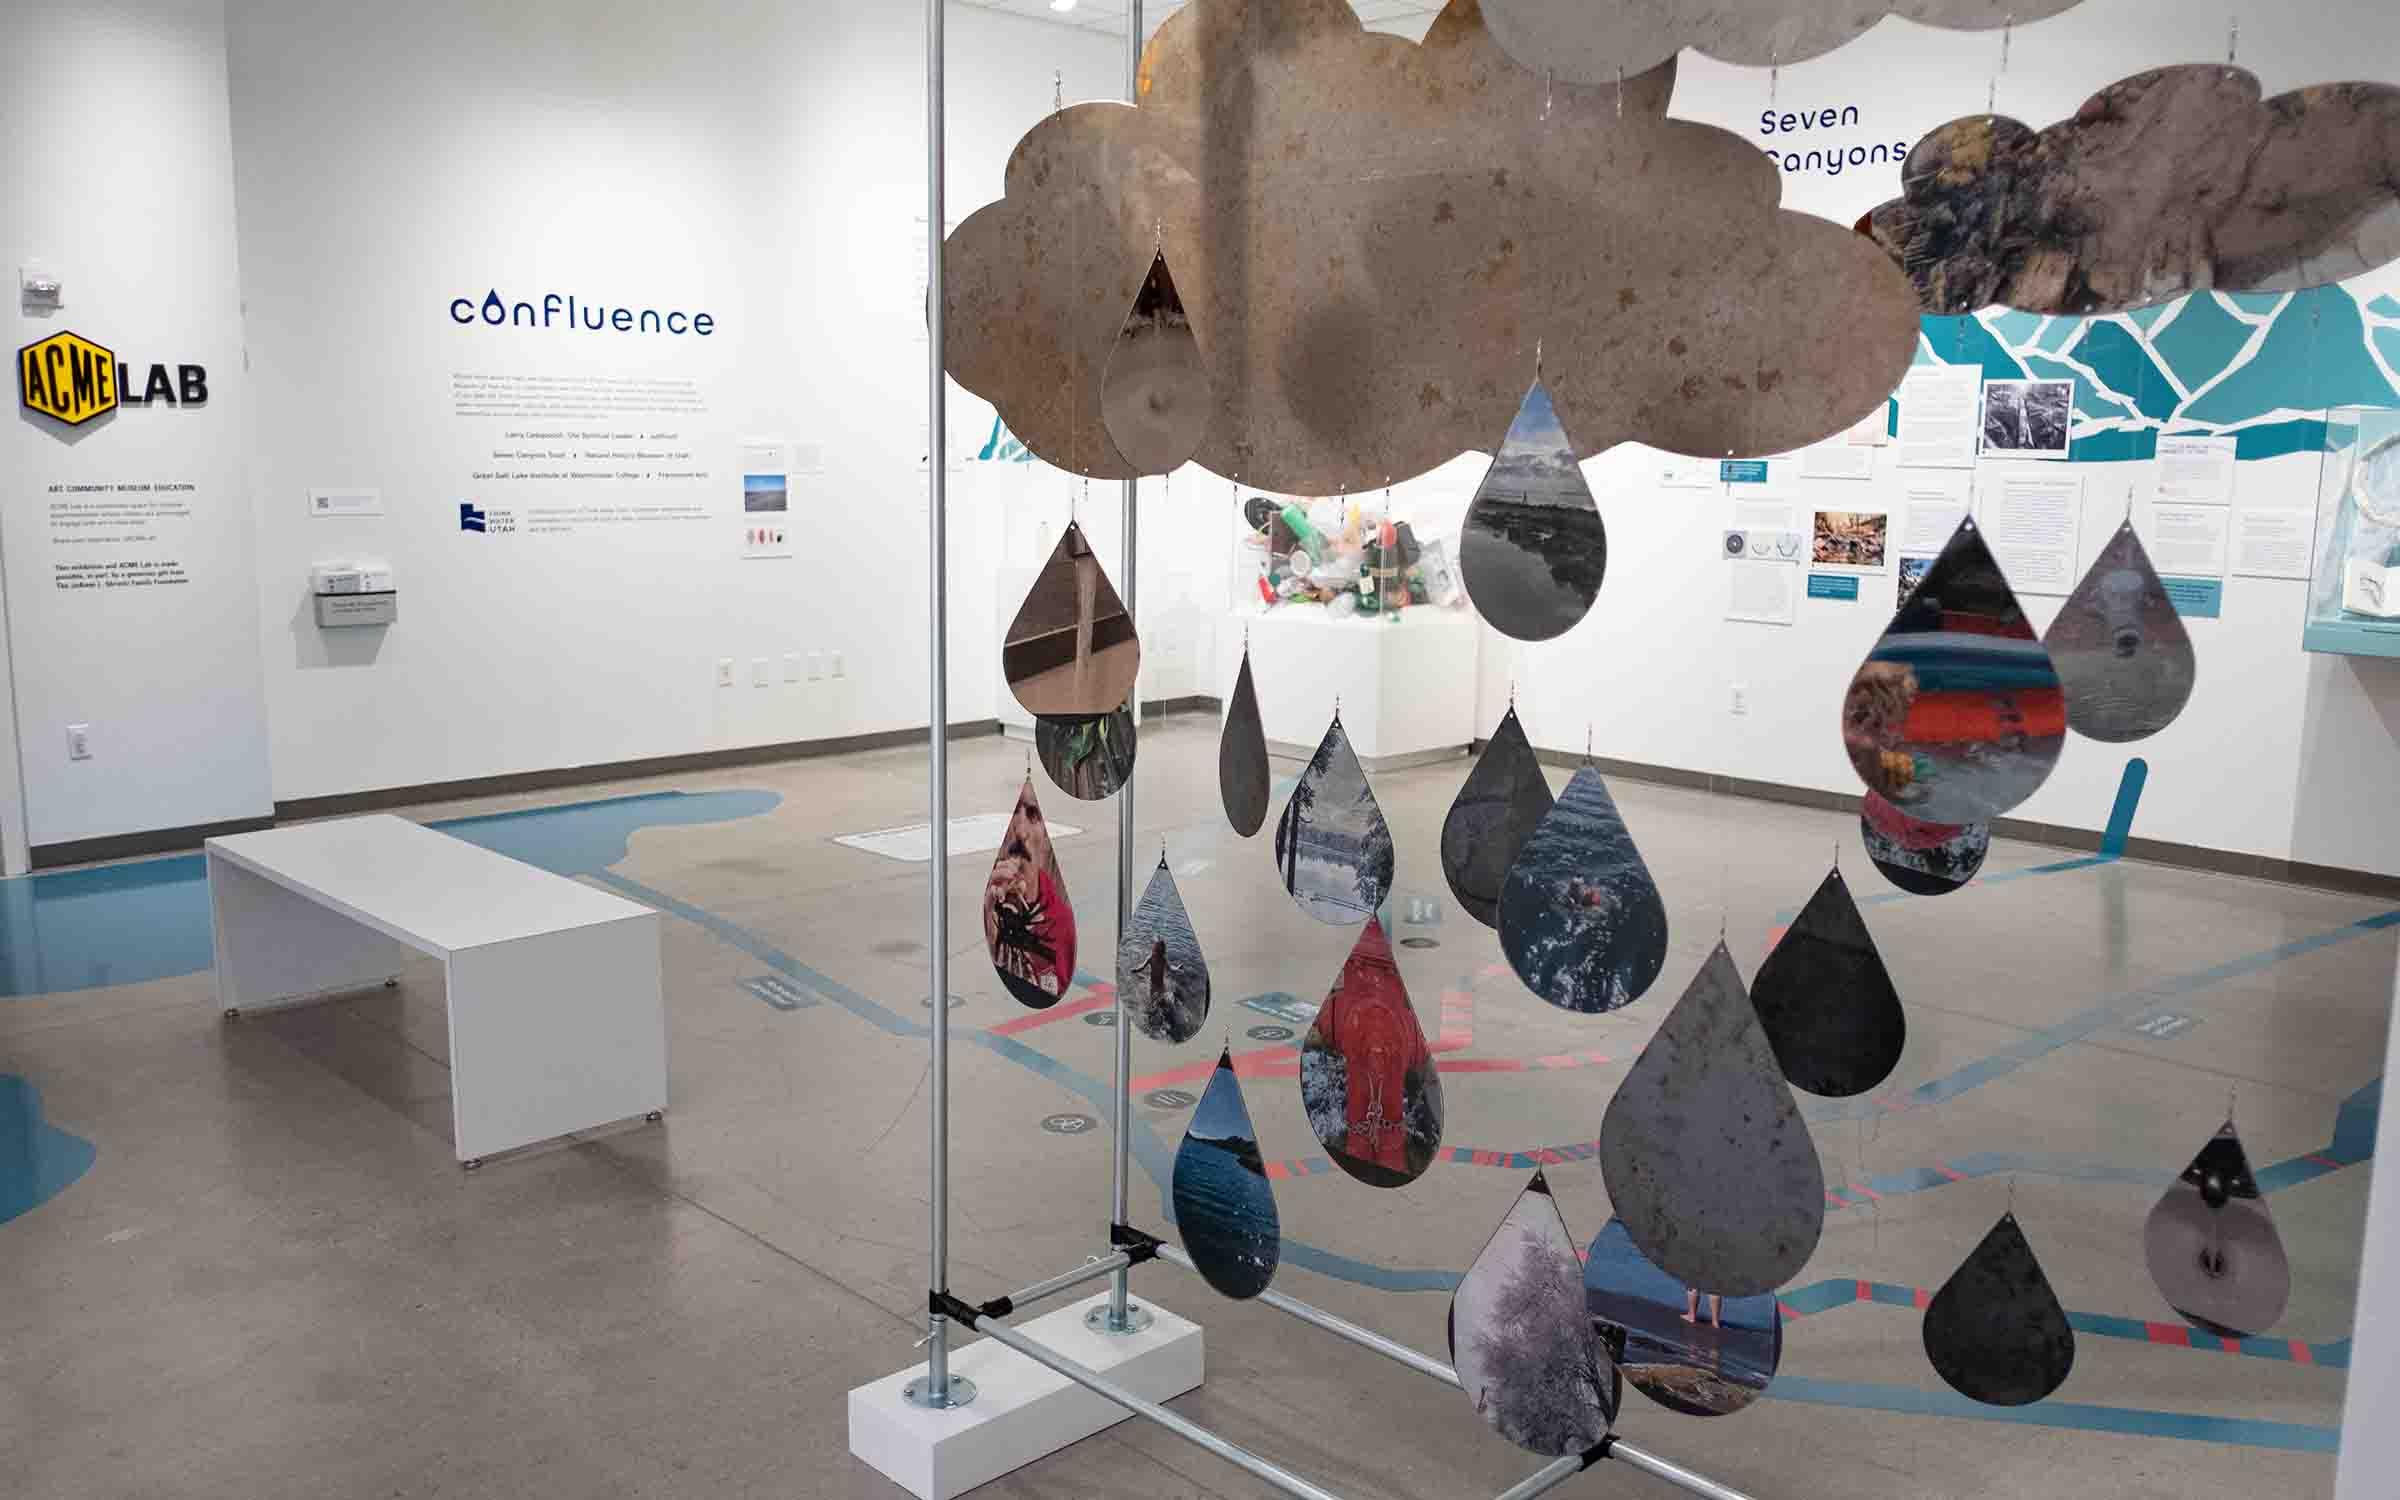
x=67, y=377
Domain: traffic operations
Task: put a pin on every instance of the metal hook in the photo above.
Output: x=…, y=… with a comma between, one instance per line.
x=1158, y=236
x=1537, y=359
x=2233, y=41
x=1545, y=93
x=1058, y=90
x=1620, y=91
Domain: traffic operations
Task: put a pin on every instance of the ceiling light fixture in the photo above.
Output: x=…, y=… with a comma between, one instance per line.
x=1062, y=6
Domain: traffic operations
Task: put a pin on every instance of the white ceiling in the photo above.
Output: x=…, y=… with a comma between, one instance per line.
x=1407, y=18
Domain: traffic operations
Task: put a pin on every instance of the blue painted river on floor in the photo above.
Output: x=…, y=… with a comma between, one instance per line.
x=124, y=924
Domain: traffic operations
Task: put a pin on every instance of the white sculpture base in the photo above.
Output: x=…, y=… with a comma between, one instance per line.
x=1021, y=1411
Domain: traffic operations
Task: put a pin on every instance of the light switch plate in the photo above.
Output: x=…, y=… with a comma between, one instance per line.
x=724, y=671
x=837, y=665
x=760, y=672
x=791, y=666
x=79, y=742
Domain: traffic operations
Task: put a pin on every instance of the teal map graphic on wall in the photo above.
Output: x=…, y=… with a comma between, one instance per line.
x=1002, y=447
x=2260, y=367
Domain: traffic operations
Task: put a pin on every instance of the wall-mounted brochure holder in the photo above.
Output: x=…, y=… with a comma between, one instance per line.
x=2354, y=577
x=351, y=594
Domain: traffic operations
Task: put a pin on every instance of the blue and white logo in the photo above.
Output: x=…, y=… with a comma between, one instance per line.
x=471, y=516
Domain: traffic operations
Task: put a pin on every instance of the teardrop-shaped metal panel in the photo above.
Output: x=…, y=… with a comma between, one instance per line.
x=1027, y=922
x=2212, y=1245
x=1224, y=1206
x=1505, y=798
x=1071, y=653
x=1688, y=1350
x=1825, y=1000
x=1923, y=859
x=1533, y=550
x=2122, y=654
x=1580, y=918
x=1995, y=1330
x=1161, y=975
x=1242, y=757
x=1332, y=846
x=1526, y=1352
x=1367, y=1078
x=1154, y=395
x=1956, y=716
x=1708, y=1163
x=1087, y=758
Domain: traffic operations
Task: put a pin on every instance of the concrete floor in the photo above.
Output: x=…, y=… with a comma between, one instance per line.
x=275, y=1281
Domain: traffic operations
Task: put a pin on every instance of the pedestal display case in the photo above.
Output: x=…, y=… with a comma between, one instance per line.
x=2354, y=579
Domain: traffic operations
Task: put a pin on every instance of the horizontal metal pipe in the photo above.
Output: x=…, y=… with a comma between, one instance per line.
x=1365, y=1338
x=1091, y=1270
x=1545, y=1479
x=1191, y=1432
x=1673, y=1473
x=1426, y=1364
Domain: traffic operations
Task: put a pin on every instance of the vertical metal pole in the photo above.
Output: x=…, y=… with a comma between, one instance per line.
x=937, y=1386
x=1121, y=1318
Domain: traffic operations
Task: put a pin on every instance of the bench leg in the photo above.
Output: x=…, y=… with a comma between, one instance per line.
x=555, y=1034
x=273, y=943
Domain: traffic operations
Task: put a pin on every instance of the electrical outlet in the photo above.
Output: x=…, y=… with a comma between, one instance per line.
x=791, y=666
x=724, y=671
x=1741, y=701
x=79, y=742
x=761, y=671
x=836, y=668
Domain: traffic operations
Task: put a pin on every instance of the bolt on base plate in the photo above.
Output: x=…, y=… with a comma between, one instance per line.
x=918, y=1393
x=1137, y=1318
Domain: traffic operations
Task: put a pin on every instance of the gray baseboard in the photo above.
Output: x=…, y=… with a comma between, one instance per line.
x=382, y=799
x=2057, y=835
x=135, y=845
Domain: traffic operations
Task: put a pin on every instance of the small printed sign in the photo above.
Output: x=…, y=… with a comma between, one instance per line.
x=780, y=992
x=1742, y=471
x=2196, y=598
x=1832, y=586
x=2162, y=1025
x=1282, y=1007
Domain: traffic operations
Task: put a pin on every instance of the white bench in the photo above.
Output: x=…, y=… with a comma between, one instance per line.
x=557, y=1019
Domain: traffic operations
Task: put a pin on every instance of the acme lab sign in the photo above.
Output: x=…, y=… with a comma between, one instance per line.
x=71, y=379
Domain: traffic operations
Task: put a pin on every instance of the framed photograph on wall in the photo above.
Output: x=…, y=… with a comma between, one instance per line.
x=1850, y=541
x=2028, y=418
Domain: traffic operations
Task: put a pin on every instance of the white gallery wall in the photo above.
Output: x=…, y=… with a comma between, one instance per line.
x=132, y=605
x=763, y=164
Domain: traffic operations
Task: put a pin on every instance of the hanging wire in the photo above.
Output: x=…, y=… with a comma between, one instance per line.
x=2008, y=31
x=1774, y=74
x=1058, y=91
x=2233, y=39
x=1545, y=93
x=1620, y=91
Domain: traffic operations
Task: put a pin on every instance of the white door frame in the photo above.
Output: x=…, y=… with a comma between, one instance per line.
x=13, y=851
